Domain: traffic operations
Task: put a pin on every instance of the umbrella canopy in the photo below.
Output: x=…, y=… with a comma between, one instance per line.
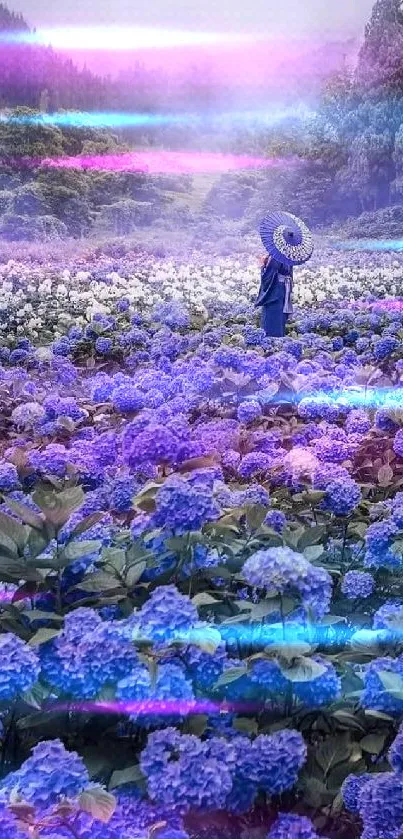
x=286, y=238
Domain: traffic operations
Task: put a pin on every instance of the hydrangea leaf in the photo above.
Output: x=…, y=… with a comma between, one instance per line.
x=98, y=803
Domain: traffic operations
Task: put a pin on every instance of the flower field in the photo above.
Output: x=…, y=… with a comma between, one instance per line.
x=201, y=551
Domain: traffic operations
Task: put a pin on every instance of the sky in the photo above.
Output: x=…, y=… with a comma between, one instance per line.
x=278, y=18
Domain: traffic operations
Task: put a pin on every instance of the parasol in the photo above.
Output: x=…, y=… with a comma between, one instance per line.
x=286, y=238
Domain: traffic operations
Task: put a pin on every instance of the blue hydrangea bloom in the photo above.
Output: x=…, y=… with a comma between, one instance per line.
x=380, y=806
x=281, y=571
x=342, y=496
x=396, y=752
x=19, y=666
x=279, y=758
x=127, y=399
x=48, y=775
x=375, y=696
x=185, y=504
x=357, y=584
x=249, y=411
x=181, y=770
x=351, y=790
x=289, y=826
x=167, y=615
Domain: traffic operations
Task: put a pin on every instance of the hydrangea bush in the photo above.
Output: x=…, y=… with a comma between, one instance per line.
x=201, y=550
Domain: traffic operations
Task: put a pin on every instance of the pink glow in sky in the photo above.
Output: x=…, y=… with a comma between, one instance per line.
x=166, y=162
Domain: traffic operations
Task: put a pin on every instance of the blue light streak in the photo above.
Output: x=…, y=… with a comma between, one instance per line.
x=79, y=119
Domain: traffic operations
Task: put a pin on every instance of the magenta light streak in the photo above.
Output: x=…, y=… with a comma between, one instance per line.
x=164, y=162
x=154, y=707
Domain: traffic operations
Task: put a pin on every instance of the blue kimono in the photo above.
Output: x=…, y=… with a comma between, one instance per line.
x=276, y=280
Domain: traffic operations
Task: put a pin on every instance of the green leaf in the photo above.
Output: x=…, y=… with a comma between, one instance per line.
x=392, y=682
x=134, y=573
x=313, y=496
x=264, y=608
x=99, y=581
x=255, y=516
x=75, y=550
x=332, y=751
x=26, y=515
x=130, y=775
x=196, y=724
x=231, y=675
x=246, y=725
x=8, y=546
x=115, y=557
x=145, y=500
x=38, y=541
x=349, y=720
x=373, y=743
x=14, y=570
x=86, y=524
x=303, y=670
x=37, y=695
x=203, y=599
x=313, y=552
x=311, y=536
x=378, y=715
x=43, y=635
x=38, y=614
x=13, y=530
x=98, y=803
x=207, y=638
x=385, y=475
x=57, y=507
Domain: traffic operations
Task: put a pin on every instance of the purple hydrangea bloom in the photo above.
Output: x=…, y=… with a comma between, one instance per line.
x=167, y=615
x=389, y=616
x=8, y=825
x=82, y=667
x=357, y=584
x=342, y=496
x=19, y=666
x=289, y=826
x=249, y=411
x=358, y=422
x=9, y=481
x=127, y=399
x=155, y=444
x=375, y=696
x=185, y=504
x=398, y=443
x=181, y=770
x=351, y=790
x=278, y=759
x=395, y=754
x=281, y=570
x=104, y=346
x=276, y=520
x=380, y=806
x=256, y=463
x=50, y=774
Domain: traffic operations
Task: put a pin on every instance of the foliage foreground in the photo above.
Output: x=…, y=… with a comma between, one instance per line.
x=201, y=549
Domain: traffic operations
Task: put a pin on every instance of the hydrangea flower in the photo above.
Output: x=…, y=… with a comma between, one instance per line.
x=380, y=805
x=50, y=774
x=167, y=615
x=357, y=584
x=249, y=411
x=278, y=758
x=283, y=571
x=185, y=504
x=19, y=666
x=342, y=496
x=183, y=771
x=351, y=790
x=289, y=826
